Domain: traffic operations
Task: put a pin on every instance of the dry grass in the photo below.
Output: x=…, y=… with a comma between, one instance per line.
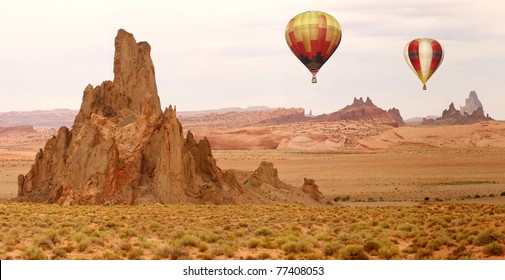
x=426, y=231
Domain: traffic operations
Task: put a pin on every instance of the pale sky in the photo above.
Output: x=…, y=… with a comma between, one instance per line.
x=225, y=53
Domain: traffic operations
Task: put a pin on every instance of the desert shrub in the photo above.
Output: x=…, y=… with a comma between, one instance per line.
x=110, y=256
x=208, y=236
x=295, y=229
x=134, y=254
x=494, y=249
x=240, y=232
x=344, y=237
x=243, y=224
x=79, y=236
x=264, y=231
x=487, y=236
x=306, y=244
x=69, y=247
x=354, y=252
x=11, y=241
x=281, y=240
x=439, y=240
x=59, y=253
x=291, y=247
x=178, y=232
x=35, y=253
x=45, y=243
x=424, y=253
x=461, y=237
x=389, y=252
x=83, y=244
x=125, y=246
x=224, y=249
x=54, y=237
x=126, y=233
x=447, y=218
x=155, y=225
x=205, y=256
x=190, y=240
x=263, y=256
x=372, y=247
x=331, y=249
x=253, y=242
x=87, y=230
x=313, y=256
x=173, y=252
x=268, y=242
x=502, y=194
x=202, y=246
x=460, y=253
x=111, y=224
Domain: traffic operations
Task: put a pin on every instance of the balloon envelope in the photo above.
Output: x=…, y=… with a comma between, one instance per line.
x=313, y=37
x=424, y=56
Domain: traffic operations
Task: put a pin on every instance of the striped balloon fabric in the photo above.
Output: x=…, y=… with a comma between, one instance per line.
x=424, y=56
x=313, y=37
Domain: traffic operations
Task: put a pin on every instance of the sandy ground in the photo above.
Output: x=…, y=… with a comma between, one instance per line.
x=12, y=163
x=400, y=175
x=395, y=175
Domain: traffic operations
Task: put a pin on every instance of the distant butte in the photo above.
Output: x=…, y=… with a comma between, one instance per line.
x=472, y=112
x=364, y=110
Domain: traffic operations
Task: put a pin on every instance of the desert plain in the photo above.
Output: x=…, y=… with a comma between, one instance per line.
x=402, y=202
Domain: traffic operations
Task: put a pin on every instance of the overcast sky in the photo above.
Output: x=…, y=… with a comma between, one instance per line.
x=230, y=53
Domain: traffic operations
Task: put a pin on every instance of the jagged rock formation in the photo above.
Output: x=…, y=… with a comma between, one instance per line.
x=310, y=187
x=362, y=110
x=122, y=149
x=264, y=185
x=471, y=113
x=472, y=103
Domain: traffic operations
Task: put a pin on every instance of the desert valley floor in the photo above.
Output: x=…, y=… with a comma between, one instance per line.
x=414, y=203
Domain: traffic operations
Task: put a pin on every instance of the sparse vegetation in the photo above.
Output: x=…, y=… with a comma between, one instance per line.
x=354, y=252
x=494, y=249
x=424, y=231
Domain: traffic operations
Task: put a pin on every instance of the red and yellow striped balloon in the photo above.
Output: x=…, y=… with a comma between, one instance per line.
x=313, y=37
x=424, y=56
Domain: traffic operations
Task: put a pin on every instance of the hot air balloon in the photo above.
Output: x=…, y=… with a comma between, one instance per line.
x=313, y=37
x=424, y=56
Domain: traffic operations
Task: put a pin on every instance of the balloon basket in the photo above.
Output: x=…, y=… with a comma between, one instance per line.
x=314, y=79
x=424, y=86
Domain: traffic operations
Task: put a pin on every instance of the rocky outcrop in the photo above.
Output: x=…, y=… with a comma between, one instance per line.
x=122, y=149
x=471, y=113
x=310, y=187
x=363, y=110
x=263, y=185
x=472, y=103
